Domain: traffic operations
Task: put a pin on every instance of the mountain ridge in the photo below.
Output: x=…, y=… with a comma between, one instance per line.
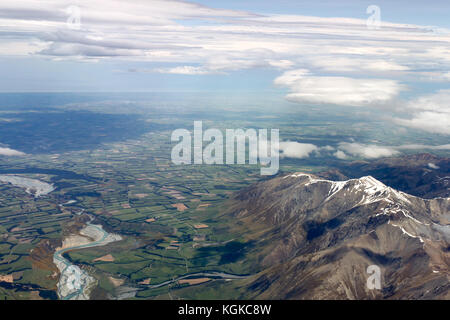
x=303, y=223
x=424, y=174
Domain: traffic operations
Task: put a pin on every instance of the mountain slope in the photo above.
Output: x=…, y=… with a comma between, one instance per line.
x=424, y=175
x=316, y=237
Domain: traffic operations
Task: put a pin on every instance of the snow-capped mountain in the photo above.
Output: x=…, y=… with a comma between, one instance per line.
x=322, y=235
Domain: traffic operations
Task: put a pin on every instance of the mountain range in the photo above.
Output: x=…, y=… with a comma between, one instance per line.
x=315, y=238
x=424, y=175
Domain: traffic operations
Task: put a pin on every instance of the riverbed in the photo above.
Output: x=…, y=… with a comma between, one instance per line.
x=32, y=186
x=75, y=283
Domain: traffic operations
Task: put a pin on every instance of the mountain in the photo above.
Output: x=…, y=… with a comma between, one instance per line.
x=424, y=175
x=314, y=239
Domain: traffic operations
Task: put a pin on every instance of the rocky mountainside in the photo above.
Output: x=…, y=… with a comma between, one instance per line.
x=424, y=175
x=315, y=239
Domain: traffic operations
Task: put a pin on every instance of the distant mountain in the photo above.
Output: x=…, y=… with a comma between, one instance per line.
x=315, y=239
x=424, y=175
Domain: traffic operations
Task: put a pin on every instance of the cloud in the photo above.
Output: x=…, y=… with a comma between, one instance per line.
x=283, y=64
x=293, y=149
x=429, y=113
x=327, y=148
x=289, y=78
x=433, y=122
x=186, y=70
x=81, y=50
x=223, y=64
x=423, y=146
x=367, y=151
x=306, y=88
x=190, y=33
x=356, y=64
x=10, y=152
x=346, y=150
x=433, y=166
x=340, y=155
x=372, y=151
x=438, y=102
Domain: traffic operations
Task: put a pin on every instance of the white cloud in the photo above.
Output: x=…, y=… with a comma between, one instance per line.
x=289, y=78
x=186, y=70
x=293, y=149
x=283, y=64
x=337, y=90
x=423, y=146
x=368, y=151
x=354, y=64
x=430, y=113
x=433, y=122
x=433, y=166
x=223, y=64
x=10, y=152
x=340, y=155
x=327, y=148
x=372, y=151
x=438, y=102
x=156, y=30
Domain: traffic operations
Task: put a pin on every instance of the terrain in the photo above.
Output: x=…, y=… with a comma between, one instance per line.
x=317, y=237
x=203, y=231
x=424, y=175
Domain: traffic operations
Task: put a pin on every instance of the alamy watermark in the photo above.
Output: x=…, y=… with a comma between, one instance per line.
x=73, y=22
x=374, y=280
x=259, y=148
x=374, y=20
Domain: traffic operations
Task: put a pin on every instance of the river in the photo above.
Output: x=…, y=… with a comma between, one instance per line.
x=213, y=274
x=75, y=283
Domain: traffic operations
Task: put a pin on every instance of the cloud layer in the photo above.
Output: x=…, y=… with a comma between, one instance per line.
x=188, y=33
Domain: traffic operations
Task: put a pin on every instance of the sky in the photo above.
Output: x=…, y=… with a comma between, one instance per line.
x=359, y=54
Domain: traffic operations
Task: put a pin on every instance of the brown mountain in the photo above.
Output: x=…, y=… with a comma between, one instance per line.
x=315, y=239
